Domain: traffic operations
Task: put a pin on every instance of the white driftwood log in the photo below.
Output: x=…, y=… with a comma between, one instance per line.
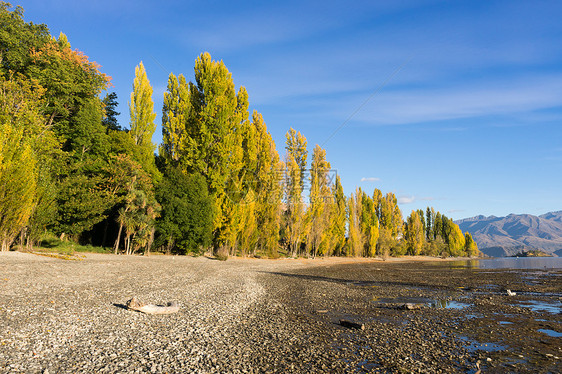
x=136, y=304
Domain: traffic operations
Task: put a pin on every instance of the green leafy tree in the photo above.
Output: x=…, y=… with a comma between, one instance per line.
x=18, y=39
x=71, y=82
x=69, y=85
x=201, y=132
x=138, y=213
x=82, y=199
x=110, y=112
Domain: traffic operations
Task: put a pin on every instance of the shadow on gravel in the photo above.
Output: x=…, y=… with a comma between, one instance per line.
x=121, y=306
x=363, y=283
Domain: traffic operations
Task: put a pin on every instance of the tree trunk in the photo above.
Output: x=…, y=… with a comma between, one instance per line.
x=116, y=246
x=127, y=243
x=104, y=234
x=150, y=241
x=22, y=238
x=169, y=246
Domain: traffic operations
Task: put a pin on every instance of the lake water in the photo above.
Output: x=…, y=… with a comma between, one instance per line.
x=545, y=263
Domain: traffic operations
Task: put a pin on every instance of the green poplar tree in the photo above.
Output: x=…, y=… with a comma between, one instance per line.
x=202, y=126
x=429, y=215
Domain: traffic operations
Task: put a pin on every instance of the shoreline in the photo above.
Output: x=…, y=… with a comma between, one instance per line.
x=274, y=316
x=323, y=259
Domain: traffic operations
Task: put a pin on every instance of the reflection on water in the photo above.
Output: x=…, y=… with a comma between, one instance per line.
x=448, y=304
x=553, y=307
x=473, y=345
x=422, y=301
x=554, y=334
x=547, y=263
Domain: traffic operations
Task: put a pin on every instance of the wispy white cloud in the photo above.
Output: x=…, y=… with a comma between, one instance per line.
x=409, y=199
x=427, y=198
x=370, y=179
x=406, y=199
x=453, y=211
x=523, y=96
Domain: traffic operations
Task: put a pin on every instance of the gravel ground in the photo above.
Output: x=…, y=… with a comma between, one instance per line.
x=248, y=315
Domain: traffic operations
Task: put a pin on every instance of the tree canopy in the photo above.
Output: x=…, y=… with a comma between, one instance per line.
x=218, y=183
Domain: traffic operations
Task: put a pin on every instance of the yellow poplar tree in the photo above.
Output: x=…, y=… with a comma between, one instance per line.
x=354, y=242
x=23, y=135
x=142, y=115
x=470, y=246
x=268, y=179
x=296, y=146
x=141, y=108
x=414, y=234
x=294, y=207
x=295, y=224
x=17, y=183
x=318, y=213
x=337, y=220
x=373, y=239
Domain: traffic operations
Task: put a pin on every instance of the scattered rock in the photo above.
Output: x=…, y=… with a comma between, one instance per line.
x=410, y=306
x=352, y=325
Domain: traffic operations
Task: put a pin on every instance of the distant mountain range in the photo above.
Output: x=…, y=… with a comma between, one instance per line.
x=507, y=236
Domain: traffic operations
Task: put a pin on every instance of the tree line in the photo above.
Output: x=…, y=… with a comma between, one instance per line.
x=217, y=182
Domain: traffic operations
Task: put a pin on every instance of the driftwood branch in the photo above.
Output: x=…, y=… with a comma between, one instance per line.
x=352, y=325
x=136, y=304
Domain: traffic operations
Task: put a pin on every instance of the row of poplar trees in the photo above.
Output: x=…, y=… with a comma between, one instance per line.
x=218, y=183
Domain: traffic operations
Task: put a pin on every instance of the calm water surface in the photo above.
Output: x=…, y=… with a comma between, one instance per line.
x=512, y=263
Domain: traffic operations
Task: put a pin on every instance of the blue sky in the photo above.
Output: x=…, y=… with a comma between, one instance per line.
x=452, y=104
